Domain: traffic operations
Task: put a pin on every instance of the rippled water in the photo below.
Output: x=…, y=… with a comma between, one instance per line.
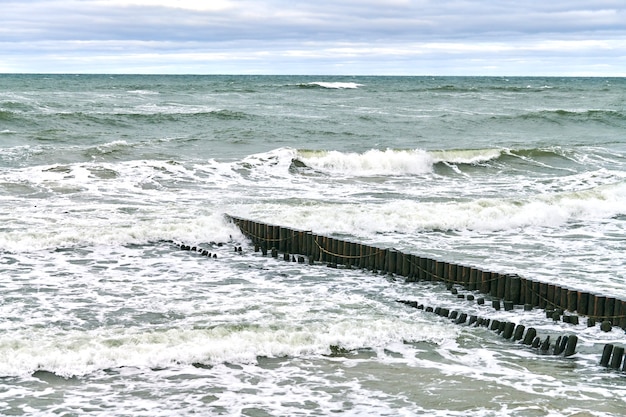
x=103, y=177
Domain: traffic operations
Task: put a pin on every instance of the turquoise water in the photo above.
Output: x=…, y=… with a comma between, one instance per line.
x=103, y=177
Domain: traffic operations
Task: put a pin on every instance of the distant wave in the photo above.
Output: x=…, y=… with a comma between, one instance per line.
x=466, y=156
x=550, y=210
x=560, y=115
x=478, y=88
x=331, y=85
x=6, y=115
x=108, y=149
x=418, y=161
x=390, y=161
x=372, y=162
x=143, y=92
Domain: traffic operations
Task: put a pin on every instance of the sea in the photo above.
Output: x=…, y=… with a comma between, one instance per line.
x=104, y=178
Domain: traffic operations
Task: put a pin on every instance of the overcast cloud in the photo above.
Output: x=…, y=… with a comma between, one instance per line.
x=397, y=37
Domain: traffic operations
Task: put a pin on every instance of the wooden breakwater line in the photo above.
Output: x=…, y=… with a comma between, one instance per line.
x=512, y=289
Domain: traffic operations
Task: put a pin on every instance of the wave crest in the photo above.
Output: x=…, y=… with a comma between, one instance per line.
x=331, y=85
x=372, y=162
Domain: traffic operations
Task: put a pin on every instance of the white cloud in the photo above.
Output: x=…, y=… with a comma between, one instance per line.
x=198, y=5
x=353, y=36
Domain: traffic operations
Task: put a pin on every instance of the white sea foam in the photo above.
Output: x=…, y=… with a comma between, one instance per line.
x=336, y=85
x=121, y=307
x=143, y=92
x=372, y=162
x=466, y=156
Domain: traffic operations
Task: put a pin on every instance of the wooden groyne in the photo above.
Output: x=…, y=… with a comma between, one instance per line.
x=510, y=289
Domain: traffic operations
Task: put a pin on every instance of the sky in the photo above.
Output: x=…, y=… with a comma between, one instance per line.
x=343, y=37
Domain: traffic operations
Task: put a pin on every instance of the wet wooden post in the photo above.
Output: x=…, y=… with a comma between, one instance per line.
x=516, y=289
x=501, y=281
x=354, y=254
x=326, y=244
x=392, y=261
x=534, y=288
x=379, y=257
x=525, y=291
x=616, y=357
x=507, y=288
x=550, y=294
x=318, y=253
x=268, y=234
x=443, y=271
x=439, y=268
x=598, y=310
x=275, y=236
x=310, y=246
x=284, y=240
x=485, y=282
x=265, y=236
x=609, y=308
x=572, y=298
x=473, y=279
x=374, y=258
x=620, y=312
x=563, y=301
x=279, y=244
x=452, y=274
x=361, y=261
x=301, y=243
x=425, y=269
x=335, y=250
x=543, y=294
x=462, y=276
x=556, y=299
x=606, y=355
x=344, y=251
x=255, y=234
x=371, y=257
x=582, y=303
x=406, y=266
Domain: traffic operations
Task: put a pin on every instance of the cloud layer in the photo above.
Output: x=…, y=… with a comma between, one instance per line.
x=412, y=37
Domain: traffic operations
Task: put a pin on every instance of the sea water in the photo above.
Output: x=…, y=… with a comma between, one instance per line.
x=104, y=177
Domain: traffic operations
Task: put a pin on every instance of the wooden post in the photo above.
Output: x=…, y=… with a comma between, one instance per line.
x=609, y=309
x=502, y=284
x=485, y=282
x=406, y=265
x=439, y=268
x=452, y=274
x=426, y=267
x=572, y=298
x=543, y=294
x=582, y=303
x=361, y=262
x=550, y=294
x=473, y=279
x=606, y=355
x=598, y=309
x=354, y=254
x=392, y=262
x=534, y=288
x=620, y=312
x=564, y=299
x=616, y=358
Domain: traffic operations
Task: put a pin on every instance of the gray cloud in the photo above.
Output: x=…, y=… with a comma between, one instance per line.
x=349, y=36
